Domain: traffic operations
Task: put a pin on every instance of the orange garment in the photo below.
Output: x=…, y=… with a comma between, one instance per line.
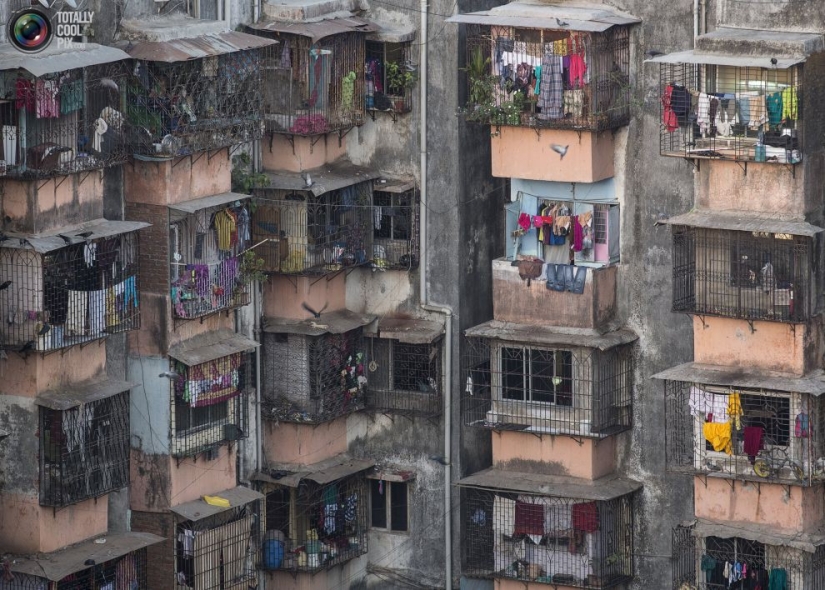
x=718, y=435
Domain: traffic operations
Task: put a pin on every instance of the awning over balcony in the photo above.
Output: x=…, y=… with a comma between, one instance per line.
x=323, y=472
x=334, y=322
x=55, y=59
x=196, y=205
x=743, y=221
x=324, y=179
x=813, y=383
x=57, y=565
x=65, y=236
x=319, y=29
x=410, y=331
x=210, y=45
x=530, y=15
x=547, y=336
x=75, y=394
x=199, y=509
x=210, y=346
x=769, y=535
x=392, y=33
x=559, y=486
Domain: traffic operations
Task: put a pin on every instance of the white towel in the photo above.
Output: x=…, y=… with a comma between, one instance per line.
x=97, y=312
x=504, y=515
x=77, y=313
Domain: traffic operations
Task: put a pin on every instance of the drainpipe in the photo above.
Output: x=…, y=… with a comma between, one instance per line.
x=442, y=309
x=695, y=21
x=227, y=13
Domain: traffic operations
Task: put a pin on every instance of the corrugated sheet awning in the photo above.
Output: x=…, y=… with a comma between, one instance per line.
x=55, y=59
x=410, y=331
x=718, y=59
x=546, y=336
x=334, y=322
x=77, y=394
x=57, y=565
x=210, y=346
x=317, y=30
x=178, y=50
x=558, y=486
x=742, y=221
x=813, y=383
x=47, y=241
x=199, y=509
x=535, y=15
x=206, y=202
x=337, y=175
x=322, y=473
x=769, y=535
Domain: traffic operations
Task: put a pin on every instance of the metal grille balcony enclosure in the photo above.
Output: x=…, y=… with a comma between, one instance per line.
x=317, y=526
x=208, y=271
x=395, y=237
x=546, y=539
x=405, y=377
x=314, y=379
x=742, y=433
x=577, y=391
x=731, y=113
x=518, y=77
x=179, y=102
x=84, y=450
x=221, y=550
x=309, y=234
x=742, y=274
x=71, y=288
x=699, y=562
x=129, y=571
x=60, y=122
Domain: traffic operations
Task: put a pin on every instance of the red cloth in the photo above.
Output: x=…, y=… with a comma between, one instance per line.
x=585, y=517
x=753, y=441
x=529, y=519
x=669, y=119
x=578, y=234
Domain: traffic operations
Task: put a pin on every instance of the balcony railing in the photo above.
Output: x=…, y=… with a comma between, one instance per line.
x=757, y=435
x=728, y=113
x=405, y=377
x=553, y=79
x=577, y=391
x=203, y=289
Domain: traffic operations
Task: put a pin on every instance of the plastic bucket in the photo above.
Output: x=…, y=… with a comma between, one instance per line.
x=273, y=554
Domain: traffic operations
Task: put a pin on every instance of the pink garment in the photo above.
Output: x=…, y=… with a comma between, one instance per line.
x=577, y=70
x=524, y=221
x=578, y=234
x=46, y=104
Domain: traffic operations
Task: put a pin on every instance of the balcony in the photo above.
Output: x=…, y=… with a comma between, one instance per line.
x=69, y=286
x=515, y=529
x=533, y=379
x=60, y=113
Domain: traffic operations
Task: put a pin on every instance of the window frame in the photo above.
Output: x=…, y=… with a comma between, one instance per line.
x=527, y=374
x=389, y=486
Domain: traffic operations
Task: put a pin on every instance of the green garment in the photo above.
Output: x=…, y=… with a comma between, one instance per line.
x=778, y=579
x=348, y=90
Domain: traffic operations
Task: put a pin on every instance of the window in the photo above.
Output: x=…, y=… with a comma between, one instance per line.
x=404, y=376
x=129, y=571
x=389, y=507
x=735, y=550
x=395, y=229
x=389, y=76
x=535, y=375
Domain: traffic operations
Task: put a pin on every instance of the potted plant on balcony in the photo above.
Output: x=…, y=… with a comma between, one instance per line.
x=399, y=81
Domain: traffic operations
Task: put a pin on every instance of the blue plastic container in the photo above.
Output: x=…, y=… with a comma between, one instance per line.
x=273, y=554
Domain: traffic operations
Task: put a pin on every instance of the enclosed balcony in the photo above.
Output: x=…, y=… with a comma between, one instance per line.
x=60, y=111
x=534, y=379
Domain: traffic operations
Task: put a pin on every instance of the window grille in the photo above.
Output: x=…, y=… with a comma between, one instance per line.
x=700, y=562
x=395, y=230
x=318, y=526
x=312, y=89
x=207, y=265
x=82, y=292
x=84, y=451
x=221, y=551
x=593, y=93
x=209, y=403
x=308, y=234
x=744, y=433
x=738, y=274
x=314, y=378
x=730, y=113
x=547, y=540
x=405, y=377
x=576, y=391
x=62, y=123
x=199, y=105
x=389, y=505
x=389, y=77
x=128, y=571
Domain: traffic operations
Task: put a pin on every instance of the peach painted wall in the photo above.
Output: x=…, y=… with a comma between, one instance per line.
x=283, y=295
x=724, y=185
x=27, y=377
x=514, y=301
x=27, y=527
x=304, y=155
x=521, y=152
x=40, y=205
x=790, y=508
x=559, y=455
x=176, y=181
x=774, y=346
x=503, y=584
x=304, y=444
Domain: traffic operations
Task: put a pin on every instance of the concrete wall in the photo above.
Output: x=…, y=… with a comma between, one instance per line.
x=554, y=455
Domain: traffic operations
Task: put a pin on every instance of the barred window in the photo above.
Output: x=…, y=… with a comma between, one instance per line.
x=389, y=77
x=129, y=571
x=395, y=229
x=534, y=375
x=404, y=376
